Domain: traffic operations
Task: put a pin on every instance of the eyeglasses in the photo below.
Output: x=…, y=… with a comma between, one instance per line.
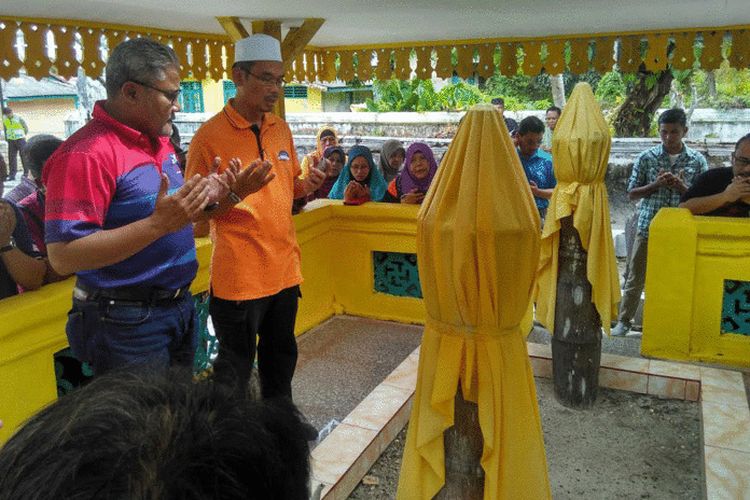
x=269, y=81
x=741, y=160
x=171, y=95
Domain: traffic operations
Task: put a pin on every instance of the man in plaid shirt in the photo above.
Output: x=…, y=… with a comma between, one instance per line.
x=660, y=176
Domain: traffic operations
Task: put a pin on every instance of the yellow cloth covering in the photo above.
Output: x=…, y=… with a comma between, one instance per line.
x=478, y=248
x=580, y=152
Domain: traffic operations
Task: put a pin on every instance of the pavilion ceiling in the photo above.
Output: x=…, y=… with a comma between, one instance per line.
x=392, y=38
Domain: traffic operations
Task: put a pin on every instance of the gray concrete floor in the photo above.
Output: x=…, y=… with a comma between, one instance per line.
x=342, y=360
x=628, y=446
x=624, y=346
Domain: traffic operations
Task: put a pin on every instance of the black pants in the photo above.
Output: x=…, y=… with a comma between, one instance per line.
x=238, y=322
x=14, y=149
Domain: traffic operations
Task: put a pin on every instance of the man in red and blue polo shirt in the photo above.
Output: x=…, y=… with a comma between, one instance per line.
x=118, y=215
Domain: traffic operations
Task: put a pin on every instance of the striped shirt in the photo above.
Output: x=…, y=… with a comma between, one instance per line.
x=105, y=176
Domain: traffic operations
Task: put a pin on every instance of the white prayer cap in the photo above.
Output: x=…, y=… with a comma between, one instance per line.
x=257, y=47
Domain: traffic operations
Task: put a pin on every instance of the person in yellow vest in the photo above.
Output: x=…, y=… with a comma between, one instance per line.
x=15, y=134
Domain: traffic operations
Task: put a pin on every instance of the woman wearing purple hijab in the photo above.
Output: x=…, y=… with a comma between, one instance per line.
x=412, y=183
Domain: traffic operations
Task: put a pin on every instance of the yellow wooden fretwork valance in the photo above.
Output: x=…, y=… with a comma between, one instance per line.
x=63, y=46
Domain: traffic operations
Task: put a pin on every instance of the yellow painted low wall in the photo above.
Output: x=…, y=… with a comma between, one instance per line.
x=337, y=244
x=688, y=260
x=32, y=331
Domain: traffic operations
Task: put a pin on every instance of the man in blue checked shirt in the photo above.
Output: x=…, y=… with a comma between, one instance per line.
x=659, y=178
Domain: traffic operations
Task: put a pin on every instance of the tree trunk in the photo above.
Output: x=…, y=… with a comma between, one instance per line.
x=693, y=103
x=676, y=99
x=577, y=339
x=557, y=85
x=633, y=118
x=711, y=82
x=464, y=477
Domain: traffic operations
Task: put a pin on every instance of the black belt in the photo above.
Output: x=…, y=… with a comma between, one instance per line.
x=144, y=294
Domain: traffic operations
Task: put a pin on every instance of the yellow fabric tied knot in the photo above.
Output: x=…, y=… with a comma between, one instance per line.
x=464, y=341
x=478, y=248
x=580, y=152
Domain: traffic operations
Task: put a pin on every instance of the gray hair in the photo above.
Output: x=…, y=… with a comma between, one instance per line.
x=139, y=59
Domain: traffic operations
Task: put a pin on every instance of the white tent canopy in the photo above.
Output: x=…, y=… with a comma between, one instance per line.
x=349, y=22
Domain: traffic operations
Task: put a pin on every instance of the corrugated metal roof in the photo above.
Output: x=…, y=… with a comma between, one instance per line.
x=26, y=87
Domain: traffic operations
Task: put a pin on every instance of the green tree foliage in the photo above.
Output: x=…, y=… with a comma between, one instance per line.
x=396, y=95
x=612, y=89
x=732, y=90
x=420, y=95
x=460, y=96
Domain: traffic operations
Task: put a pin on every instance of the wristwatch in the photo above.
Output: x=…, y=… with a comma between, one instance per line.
x=7, y=248
x=234, y=197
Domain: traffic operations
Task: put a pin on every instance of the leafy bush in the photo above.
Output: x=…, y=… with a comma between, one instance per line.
x=611, y=89
x=420, y=95
x=526, y=92
x=395, y=95
x=460, y=96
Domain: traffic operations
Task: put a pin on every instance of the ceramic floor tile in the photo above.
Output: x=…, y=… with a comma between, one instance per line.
x=692, y=391
x=378, y=408
x=665, y=387
x=405, y=374
x=726, y=427
x=623, y=380
x=399, y=420
x=678, y=370
x=542, y=367
x=723, y=387
x=624, y=363
x=332, y=458
x=359, y=468
x=727, y=474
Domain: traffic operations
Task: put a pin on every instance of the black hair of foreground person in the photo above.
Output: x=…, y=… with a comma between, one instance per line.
x=131, y=435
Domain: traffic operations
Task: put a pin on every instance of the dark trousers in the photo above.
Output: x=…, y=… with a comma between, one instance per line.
x=237, y=323
x=14, y=149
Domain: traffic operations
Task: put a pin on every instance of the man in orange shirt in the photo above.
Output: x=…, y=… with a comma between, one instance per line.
x=255, y=267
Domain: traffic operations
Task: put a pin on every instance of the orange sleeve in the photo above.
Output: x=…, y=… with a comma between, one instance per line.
x=297, y=170
x=198, y=161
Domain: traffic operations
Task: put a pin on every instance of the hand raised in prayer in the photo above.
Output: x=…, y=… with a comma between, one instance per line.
x=219, y=184
x=354, y=190
x=662, y=178
x=414, y=197
x=675, y=182
x=252, y=178
x=315, y=178
x=174, y=211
